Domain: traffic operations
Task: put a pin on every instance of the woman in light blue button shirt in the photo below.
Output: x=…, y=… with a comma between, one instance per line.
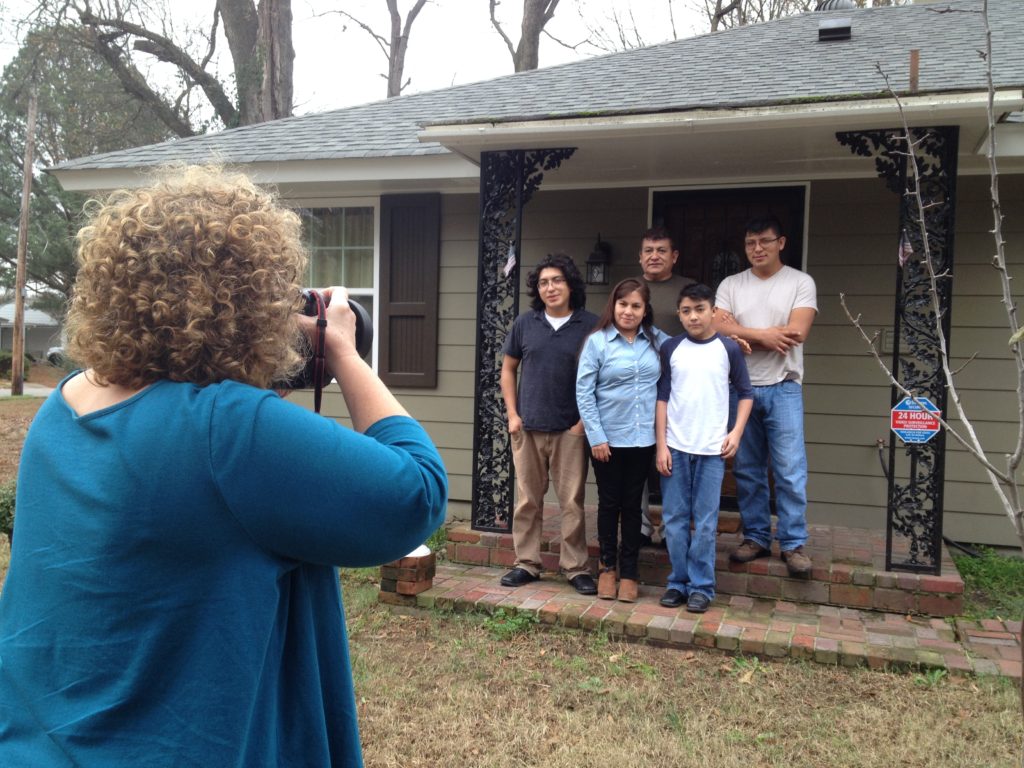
x=616, y=389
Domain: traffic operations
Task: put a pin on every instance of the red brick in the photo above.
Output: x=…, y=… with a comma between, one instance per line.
x=895, y=600
x=842, y=573
x=940, y=605
x=850, y=595
x=805, y=591
x=731, y=583
x=943, y=584
x=413, y=587
x=1010, y=668
x=760, y=566
x=885, y=579
x=752, y=640
x=462, y=534
x=503, y=557
x=550, y=561
x=802, y=647
x=764, y=586
x=472, y=553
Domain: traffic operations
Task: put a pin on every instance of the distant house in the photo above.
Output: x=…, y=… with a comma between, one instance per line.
x=416, y=203
x=41, y=330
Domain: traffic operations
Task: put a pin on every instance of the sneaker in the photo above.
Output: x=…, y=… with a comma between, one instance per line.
x=584, y=584
x=797, y=563
x=517, y=577
x=747, y=551
x=697, y=603
x=672, y=598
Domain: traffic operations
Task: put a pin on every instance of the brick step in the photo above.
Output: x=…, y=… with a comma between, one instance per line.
x=848, y=568
x=764, y=627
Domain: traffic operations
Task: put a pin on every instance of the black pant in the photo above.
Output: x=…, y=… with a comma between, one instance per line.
x=620, y=488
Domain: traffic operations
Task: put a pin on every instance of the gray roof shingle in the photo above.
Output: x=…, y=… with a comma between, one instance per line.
x=777, y=62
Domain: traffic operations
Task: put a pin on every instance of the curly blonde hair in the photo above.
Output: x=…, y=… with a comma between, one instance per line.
x=193, y=278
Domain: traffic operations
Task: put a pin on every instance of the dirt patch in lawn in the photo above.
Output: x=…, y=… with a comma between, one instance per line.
x=16, y=413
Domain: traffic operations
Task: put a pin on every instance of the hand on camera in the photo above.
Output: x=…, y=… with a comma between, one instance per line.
x=341, y=323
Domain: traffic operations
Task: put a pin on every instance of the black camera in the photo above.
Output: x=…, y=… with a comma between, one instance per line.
x=314, y=305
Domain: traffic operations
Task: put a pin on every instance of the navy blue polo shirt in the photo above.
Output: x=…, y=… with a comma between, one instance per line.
x=547, y=369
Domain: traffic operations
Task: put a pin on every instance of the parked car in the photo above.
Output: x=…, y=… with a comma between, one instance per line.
x=55, y=356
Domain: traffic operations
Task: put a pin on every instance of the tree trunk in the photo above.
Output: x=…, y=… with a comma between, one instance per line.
x=260, y=40
x=536, y=13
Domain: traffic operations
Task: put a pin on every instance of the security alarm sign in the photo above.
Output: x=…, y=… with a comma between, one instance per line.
x=913, y=423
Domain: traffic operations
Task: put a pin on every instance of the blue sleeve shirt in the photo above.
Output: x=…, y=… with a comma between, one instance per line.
x=616, y=387
x=172, y=599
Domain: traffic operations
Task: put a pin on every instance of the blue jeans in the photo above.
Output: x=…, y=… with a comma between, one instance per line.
x=775, y=429
x=692, y=492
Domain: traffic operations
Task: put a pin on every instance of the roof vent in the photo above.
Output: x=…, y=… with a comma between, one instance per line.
x=834, y=29
x=835, y=5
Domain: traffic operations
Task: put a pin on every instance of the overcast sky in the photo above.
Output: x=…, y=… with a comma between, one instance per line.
x=452, y=41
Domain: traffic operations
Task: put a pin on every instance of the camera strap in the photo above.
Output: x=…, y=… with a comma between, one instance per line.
x=319, y=347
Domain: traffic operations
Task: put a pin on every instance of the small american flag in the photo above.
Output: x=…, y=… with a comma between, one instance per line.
x=510, y=263
x=906, y=249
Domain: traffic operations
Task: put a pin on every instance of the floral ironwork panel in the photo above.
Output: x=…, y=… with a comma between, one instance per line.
x=508, y=180
x=917, y=470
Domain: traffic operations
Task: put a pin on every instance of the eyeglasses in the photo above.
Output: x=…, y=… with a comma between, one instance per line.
x=764, y=242
x=555, y=281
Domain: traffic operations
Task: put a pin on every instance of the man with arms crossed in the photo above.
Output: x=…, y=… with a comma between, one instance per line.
x=548, y=440
x=772, y=306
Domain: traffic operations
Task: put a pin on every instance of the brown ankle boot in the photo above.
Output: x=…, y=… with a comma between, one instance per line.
x=606, y=584
x=628, y=589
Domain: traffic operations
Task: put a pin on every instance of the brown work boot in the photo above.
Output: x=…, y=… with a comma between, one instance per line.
x=797, y=562
x=606, y=584
x=747, y=551
x=628, y=589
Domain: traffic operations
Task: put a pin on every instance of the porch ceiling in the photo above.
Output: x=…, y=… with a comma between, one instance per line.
x=790, y=142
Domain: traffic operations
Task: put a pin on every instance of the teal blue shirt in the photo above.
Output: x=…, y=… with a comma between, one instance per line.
x=172, y=599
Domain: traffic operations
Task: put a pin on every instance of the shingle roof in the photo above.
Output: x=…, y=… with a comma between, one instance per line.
x=32, y=317
x=777, y=62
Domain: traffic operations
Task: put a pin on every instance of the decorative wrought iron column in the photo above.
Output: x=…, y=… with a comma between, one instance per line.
x=508, y=180
x=915, y=500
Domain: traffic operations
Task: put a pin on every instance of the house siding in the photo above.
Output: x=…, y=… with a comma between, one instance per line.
x=851, y=248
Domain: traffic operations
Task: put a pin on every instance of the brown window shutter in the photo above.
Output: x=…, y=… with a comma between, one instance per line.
x=410, y=251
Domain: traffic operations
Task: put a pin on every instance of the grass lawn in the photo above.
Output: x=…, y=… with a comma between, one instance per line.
x=439, y=689
x=453, y=689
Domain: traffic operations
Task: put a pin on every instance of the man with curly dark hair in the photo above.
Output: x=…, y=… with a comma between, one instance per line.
x=548, y=440
x=171, y=598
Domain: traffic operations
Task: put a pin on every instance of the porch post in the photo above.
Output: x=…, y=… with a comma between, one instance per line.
x=507, y=181
x=915, y=498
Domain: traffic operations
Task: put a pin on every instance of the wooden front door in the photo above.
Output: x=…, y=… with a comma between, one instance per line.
x=708, y=228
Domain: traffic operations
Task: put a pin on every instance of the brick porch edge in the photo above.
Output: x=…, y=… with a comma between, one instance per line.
x=742, y=624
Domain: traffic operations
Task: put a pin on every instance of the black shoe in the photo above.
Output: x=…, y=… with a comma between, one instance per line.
x=517, y=577
x=697, y=603
x=672, y=598
x=646, y=541
x=584, y=584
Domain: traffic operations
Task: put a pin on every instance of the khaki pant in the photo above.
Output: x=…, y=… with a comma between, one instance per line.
x=562, y=457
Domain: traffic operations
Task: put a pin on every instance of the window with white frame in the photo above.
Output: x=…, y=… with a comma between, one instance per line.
x=341, y=246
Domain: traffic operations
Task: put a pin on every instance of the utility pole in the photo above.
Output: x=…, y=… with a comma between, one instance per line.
x=18, y=342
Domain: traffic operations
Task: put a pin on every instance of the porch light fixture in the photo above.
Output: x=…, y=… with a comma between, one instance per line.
x=597, y=263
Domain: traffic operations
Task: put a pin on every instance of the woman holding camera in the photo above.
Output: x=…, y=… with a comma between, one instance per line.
x=616, y=389
x=172, y=597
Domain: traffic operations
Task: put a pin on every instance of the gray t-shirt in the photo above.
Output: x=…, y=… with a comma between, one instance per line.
x=665, y=302
x=764, y=303
x=547, y=372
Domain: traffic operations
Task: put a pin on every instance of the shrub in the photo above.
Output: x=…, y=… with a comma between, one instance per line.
x=5, y=364
x=7, y=509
